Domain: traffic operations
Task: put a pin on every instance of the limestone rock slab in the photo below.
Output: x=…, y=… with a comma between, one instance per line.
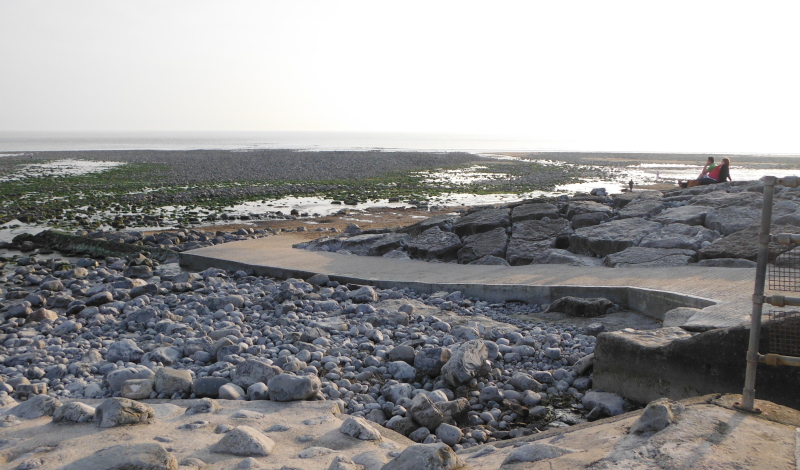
x=127, y=457
x=482, y=221
x=285, y=387
x=638, y=256
x=688, y=215
x=491, y=243
x=729, y=219
x=611, y=237
x=121, y=412
x=642, y=207
x=688, y=237
x=426, y=457
x=585, y=207
x=244, y=441
x=466, y=363
x=434, y=243
x=534, y=211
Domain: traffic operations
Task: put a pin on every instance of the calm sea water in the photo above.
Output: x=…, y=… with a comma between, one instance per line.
x=28, y=141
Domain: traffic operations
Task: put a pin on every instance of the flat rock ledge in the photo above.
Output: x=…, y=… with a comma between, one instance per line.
x=310, y=435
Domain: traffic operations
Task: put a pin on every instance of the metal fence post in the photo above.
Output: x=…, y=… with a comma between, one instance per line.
x=749, y=392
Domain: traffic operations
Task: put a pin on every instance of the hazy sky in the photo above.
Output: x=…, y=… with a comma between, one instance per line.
x=682, y=75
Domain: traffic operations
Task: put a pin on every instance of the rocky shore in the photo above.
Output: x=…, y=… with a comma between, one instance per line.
x=713, y=225
x=434, y=368
x=377, y=378
x=146, y=189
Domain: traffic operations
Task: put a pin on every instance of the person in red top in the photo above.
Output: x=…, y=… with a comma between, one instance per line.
x=711, y=174
x=720, y=174
x=710, y=165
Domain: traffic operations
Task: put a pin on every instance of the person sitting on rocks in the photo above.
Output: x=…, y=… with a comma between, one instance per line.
x=720, y=174
x=711, y=174
x=710, y=165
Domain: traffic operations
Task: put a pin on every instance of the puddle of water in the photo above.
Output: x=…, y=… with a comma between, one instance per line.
x=455, y=199
x=13, y=228
x=59, y=168
x=461, y=177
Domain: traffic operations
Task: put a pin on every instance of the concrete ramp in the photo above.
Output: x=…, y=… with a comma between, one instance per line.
x=721, y=294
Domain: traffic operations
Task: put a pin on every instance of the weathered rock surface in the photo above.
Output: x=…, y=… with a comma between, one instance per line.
x=556, y=256
x=609, y=404
x=73, y=412
x=529, y=238
x=124, y=350
x=425, y=413
x=171, y=381
x=534, y=211
x=253, y=371
x=136, y=389
x=285, y=387
x=426, y=457
x=611, y=237
x=466, y=363
x=491, y=243
x=581, y=307
x=244, y=441
x=208, y=386
x=687, y=215
x=536, y=452
x=645, y=366
x=656, y=416
x=688, y=237
x=121, y=412
x=482, y=221
x=641, y=208
x=434, y=243
x=359, y=428
x=430, y=361
x=586, y=207
x=742, y=244
x=729, y=219
x=490, y=260
x=387, y=243
x=204, y=405
x=362, y=244
x=36, y=407
x=443, y=222
x=118, y=377
x=726, y=263
x=638, y=256
x=589, y=219
x=719, y=199
x=623, y=199
x=128, y=457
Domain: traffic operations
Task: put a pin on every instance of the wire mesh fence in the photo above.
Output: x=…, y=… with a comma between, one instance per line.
x=784, y=268
x=784, y=332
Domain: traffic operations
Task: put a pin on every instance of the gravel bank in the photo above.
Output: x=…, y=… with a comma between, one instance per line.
x=409, y=361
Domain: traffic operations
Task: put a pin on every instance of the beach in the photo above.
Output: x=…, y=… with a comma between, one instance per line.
x=151, y=189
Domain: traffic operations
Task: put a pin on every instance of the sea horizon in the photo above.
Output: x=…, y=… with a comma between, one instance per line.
x=31, y=141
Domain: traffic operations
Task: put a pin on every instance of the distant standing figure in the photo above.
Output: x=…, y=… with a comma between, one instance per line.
x=630, y=185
